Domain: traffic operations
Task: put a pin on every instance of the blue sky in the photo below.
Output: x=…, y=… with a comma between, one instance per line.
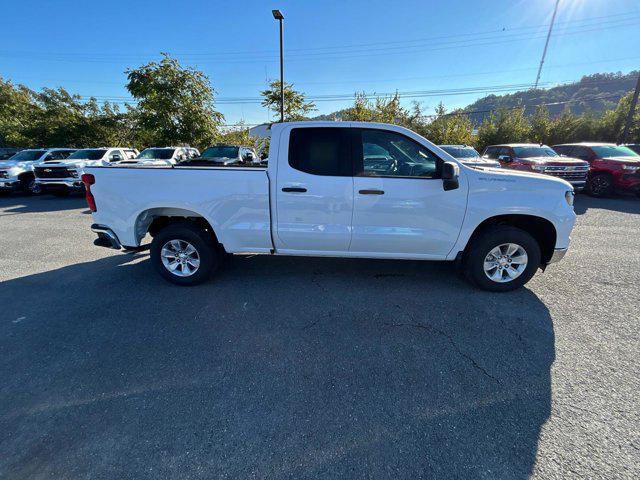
x=331, y=48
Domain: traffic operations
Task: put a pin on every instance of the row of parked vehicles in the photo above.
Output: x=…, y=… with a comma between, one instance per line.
x=599, y=168
x=58, y=170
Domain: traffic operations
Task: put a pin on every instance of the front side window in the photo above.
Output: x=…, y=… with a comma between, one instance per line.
x=321, y=151
x=390, y=154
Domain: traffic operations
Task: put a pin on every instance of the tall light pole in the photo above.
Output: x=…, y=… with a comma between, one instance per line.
x=277, y=14
x=632, y=111
x=546, y=44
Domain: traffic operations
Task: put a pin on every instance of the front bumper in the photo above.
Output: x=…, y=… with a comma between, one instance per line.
x=558, y=254
x=11, y=183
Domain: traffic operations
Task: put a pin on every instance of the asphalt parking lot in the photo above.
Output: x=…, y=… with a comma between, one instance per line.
x=314, y=368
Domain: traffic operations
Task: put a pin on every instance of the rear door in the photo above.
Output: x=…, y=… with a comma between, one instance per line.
x=400, y=206
x=314, y=190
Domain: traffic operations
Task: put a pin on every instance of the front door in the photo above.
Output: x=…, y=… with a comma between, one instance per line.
x=314, y=190
x=400, y=206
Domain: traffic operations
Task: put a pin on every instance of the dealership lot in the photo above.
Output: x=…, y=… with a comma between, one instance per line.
x=295, y=368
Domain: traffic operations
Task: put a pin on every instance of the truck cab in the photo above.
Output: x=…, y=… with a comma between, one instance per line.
x=337, y=189
x=16, y=172
x=62, y=175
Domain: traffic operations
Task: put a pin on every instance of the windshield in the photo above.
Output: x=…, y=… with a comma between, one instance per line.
x=221, y=152
x=526, y=152
x=606, y=151
x=28, y=155
x=461, y=152
x=88, y=154
x=157, y=153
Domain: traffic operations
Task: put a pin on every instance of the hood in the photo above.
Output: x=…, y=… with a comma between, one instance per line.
x=75, y=162
x=621, y=160
x=553, y=161
x=13, y=163
x=507, y=174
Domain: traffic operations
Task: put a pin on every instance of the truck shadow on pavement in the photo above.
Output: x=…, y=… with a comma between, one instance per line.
x=20, y=203
x=277, y=368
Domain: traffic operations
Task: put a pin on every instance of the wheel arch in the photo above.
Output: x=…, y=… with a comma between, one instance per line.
x=541, y=229
x=153, y=220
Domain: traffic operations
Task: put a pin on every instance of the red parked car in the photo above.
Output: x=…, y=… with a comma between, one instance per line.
x=611, y=167
x=533, y=157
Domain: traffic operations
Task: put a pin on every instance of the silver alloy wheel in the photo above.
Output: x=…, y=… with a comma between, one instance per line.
x=505, y=262
x=180, y=258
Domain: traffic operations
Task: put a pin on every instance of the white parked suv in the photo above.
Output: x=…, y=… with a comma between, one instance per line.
x=223, y=155
x=16, y=172
x=327, y=193
x=160, y=156
x=62, y=176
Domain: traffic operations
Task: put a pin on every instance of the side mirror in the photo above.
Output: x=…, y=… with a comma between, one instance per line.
x=504, y=158
x=450, y=175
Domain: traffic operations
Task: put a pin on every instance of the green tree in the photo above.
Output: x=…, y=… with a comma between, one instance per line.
x=360, y=111
x=296, y=107
x=17, y=111
x=175, y=104
x=448, y=128
x=503, y=126
x=541, y=125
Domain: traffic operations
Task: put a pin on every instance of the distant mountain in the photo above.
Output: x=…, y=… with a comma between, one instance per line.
x=594, y=93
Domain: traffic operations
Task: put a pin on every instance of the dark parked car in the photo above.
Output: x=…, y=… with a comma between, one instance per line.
x=533, y=157
x=611, y=167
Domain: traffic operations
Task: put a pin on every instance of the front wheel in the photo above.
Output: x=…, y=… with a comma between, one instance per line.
x=184, y=254
x=600, y=185
x=502, y=258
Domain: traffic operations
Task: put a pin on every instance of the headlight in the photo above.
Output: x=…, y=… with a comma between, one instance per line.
x=631, y=168
x=538, y=168
x=569, y=196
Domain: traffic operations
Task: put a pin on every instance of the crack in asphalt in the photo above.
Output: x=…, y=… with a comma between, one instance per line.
x=452, y=342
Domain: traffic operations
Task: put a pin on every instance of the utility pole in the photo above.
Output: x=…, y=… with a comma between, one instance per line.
x=278, y=16
x=632, y=111
x=546, y=43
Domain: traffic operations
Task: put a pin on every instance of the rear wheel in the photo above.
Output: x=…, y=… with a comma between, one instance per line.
x=600, y=185
x=502, y=258
x=184, y=254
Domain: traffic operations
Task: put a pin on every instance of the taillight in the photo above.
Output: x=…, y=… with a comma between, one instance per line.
x=88, y=180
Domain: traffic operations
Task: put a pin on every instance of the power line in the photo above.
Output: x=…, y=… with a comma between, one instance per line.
x=630, y=20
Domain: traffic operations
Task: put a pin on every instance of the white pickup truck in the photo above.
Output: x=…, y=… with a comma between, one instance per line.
x=322, y=194
x=61, y=176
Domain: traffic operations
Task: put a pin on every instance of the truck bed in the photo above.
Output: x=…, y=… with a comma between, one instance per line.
x=235, y=201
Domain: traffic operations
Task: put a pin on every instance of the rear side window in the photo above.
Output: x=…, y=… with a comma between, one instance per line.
x=321, y=151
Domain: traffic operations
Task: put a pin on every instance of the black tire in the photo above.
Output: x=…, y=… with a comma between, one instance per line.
x=491, y=238
x=600, y=185
x=195, y=236
x=28, y=184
